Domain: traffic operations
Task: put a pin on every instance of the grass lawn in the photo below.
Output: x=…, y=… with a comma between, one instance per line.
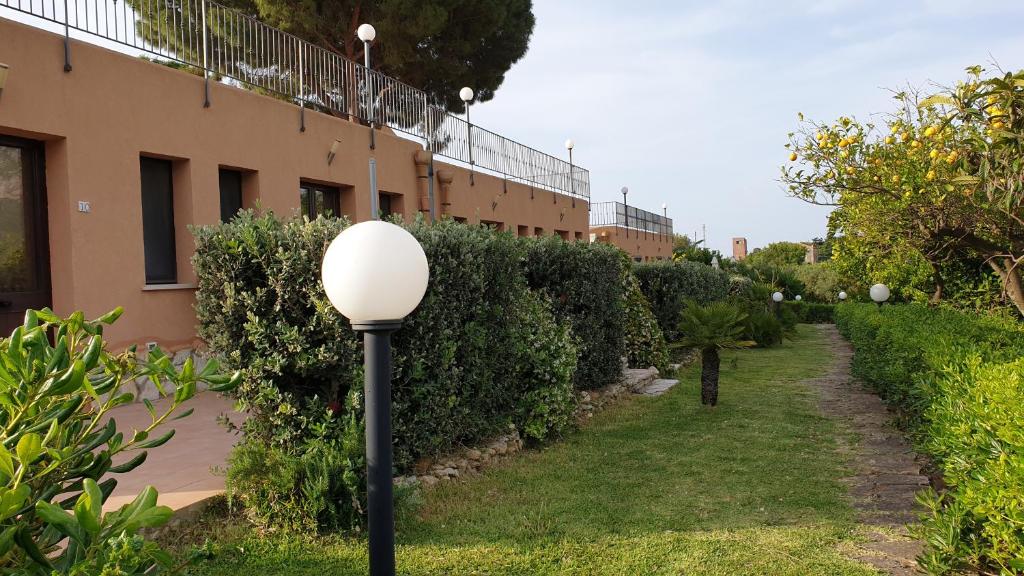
x=649, y=486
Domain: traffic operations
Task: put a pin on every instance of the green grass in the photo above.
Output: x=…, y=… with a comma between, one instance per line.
x=649, y=486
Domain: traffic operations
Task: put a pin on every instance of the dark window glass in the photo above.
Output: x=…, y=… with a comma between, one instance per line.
x=315, y=200
x=384, y=208
x=230, y=193
x=158, y=222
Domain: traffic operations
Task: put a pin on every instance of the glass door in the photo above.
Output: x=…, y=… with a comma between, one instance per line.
x=24, y=250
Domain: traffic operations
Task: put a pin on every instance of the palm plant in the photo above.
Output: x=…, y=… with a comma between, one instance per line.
x=711, y=328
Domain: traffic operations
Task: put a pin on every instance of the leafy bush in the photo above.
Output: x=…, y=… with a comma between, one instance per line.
x=59, y=442
x=645, y=344
x=958, y=381
x=811, y=312
x=821, y=282
x=479, y=353
x=584, y=282
x=669, y=285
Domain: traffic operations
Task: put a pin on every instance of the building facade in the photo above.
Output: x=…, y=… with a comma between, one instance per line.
x=104, y=168
x=739, y=248
x=644, y=235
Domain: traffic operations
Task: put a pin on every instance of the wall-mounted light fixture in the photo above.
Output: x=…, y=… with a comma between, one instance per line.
x=3, y=76
x=333, y=151
x=494, y=203
x=561, y=215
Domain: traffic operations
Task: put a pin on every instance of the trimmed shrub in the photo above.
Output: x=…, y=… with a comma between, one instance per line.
x=810, y=312
x=669, y=285
x=958, y=382
x=481, y=352
x=645, y=344
x=584, y=282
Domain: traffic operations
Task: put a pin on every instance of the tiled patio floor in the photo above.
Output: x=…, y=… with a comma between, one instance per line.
x=182, y=469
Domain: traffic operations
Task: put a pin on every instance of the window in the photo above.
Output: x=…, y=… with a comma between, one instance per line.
x=388, y=204
x=579, y=236
x=500, y=227
x=315, y=200
x=158, y=221
x=564, y=234
x=523, y=230
x=230, y=193
x=538, y=231
x=384, y=209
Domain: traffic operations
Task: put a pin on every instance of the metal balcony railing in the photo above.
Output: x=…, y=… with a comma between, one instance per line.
x=225, y=44
x=631, y=217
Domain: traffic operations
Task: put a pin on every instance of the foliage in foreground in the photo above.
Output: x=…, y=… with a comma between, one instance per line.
x=59, y=443
x=958, y=380
x=481, y=352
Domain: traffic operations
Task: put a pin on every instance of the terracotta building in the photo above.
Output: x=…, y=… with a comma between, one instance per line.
x=643, y=235
x=106, y=159
x=739, y=248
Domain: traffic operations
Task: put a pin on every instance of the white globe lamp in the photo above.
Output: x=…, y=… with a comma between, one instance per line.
x=375, y=273
x=366, y=32
x=777, y=297
x=879, y=293
x=842, y=296
x=466, y=94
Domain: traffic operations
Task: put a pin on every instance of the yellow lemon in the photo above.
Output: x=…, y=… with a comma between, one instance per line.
x=930, y=175
x=792, y=157
x=929, y=131
x=915, y=144
x=888, y=139
x=850, y=170
x=933, y=154
x=998, y=125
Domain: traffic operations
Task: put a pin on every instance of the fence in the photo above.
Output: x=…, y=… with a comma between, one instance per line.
x=222, y=43
x=631, y=217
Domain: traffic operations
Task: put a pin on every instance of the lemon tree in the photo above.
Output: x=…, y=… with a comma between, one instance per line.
x=933, y=190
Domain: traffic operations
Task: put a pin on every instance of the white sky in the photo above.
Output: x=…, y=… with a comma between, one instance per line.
x=694, y=112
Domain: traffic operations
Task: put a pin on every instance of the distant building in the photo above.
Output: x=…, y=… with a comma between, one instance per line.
x=643, y=235
x=739, y=248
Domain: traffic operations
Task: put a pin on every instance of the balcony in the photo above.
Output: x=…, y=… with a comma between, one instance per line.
x=225, y=45
x=619, y=215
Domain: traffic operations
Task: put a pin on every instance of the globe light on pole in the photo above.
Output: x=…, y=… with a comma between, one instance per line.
x=798, y=298
x=777, y=297
x=366, y=33
x=879, y=293
x=842, y=296
x=375, y=273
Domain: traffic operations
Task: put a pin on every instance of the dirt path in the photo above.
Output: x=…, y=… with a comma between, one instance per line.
x=886, y=472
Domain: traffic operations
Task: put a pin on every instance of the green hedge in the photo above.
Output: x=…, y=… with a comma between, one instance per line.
x=811, y=312
x=668, y=285
x=584, y=283
x=482, y=351
x=958, y=382
x=645, y=343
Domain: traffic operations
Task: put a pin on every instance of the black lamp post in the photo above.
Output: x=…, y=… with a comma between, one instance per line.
x=375, y=273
